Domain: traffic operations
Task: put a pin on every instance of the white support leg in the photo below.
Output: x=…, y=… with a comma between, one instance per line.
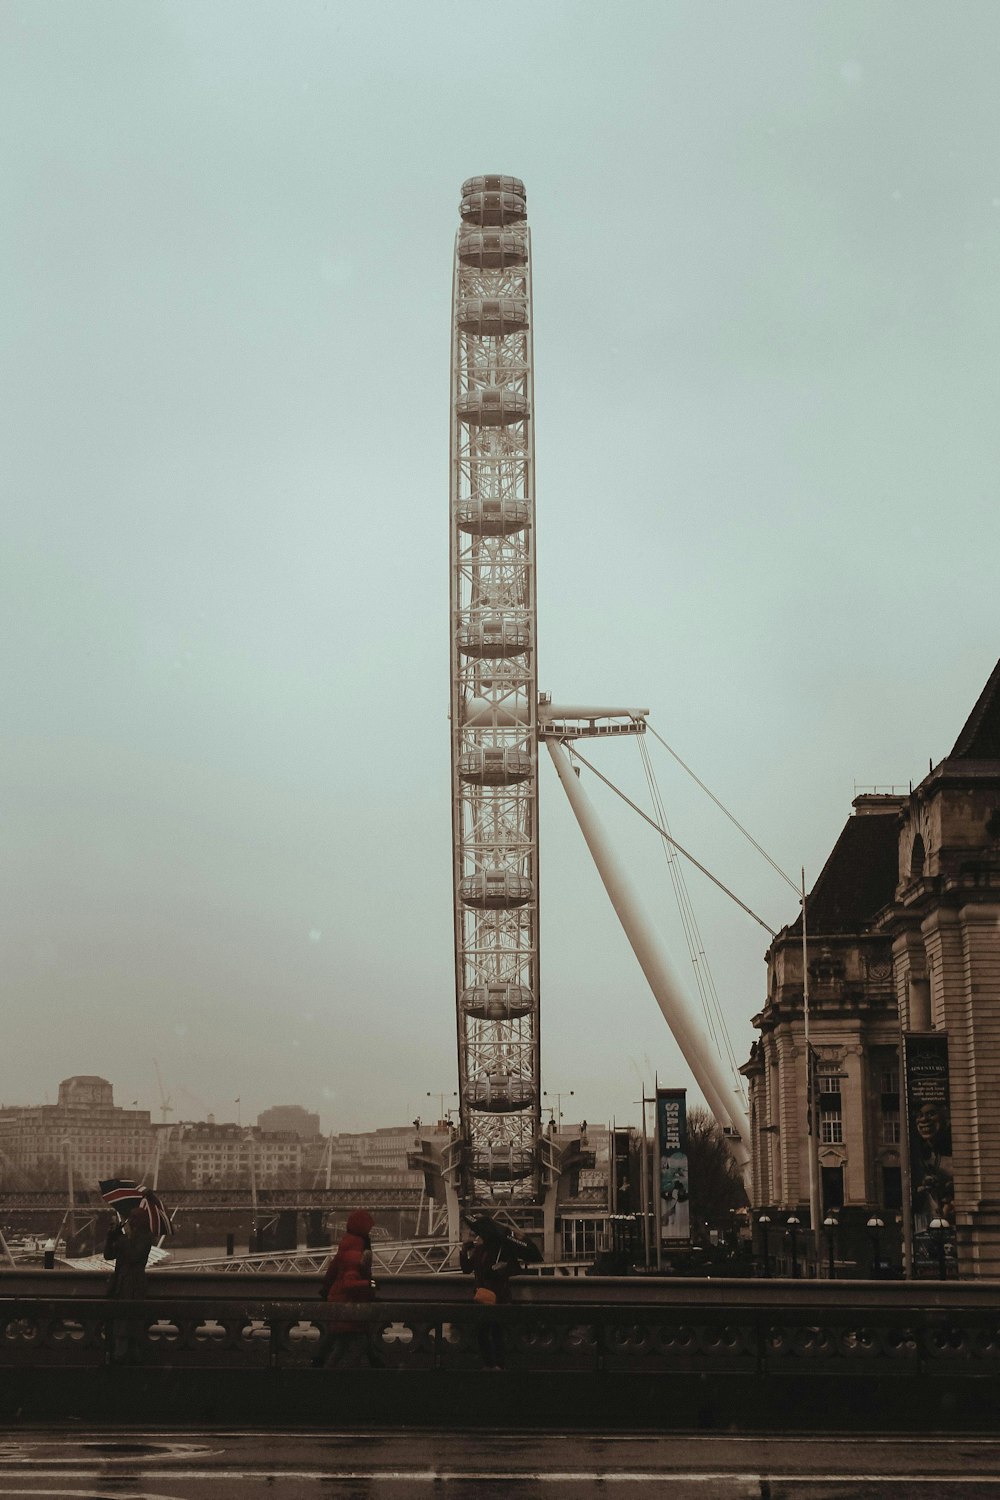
x=719, y=1091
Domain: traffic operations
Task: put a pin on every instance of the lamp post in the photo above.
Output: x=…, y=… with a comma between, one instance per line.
x=874, y=1225
x=831, y=1224
x=792, y=1224
x=557, y=1112
x=441, y=1098
x=939, y=1228
x=255, y=1236
x=764, y=1222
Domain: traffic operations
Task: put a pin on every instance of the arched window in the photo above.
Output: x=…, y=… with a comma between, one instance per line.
x=917, y=855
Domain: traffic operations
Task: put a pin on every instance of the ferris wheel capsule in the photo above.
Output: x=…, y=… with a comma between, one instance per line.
x=492, y=249
x=493, y=515
x=497, y=1002
x=500, y=1094
x=495, y=636
x=493, y=183
x=495, y=765
x=492, y=406
x=493, y=317
x=495, y=889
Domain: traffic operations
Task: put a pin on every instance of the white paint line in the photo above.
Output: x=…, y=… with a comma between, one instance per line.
x=518, y=1438
x=552, y=1476
x=89, y=1494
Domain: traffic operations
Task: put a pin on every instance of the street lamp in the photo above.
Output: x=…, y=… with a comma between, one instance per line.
x=939, y=1228
x=792, y=1224
x=764, y=1222
x=873, y=1226
x=831, y=1224
x=255, y=1234
x=557, y=1112
x=441, y=1098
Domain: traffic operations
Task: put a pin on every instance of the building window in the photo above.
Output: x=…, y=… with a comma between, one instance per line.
x=890, y=1128
x=889, y=1081
x=831, y=1129
x=829, y=1083
x=892, y=1187
x=917, y=857
x=833, y=1187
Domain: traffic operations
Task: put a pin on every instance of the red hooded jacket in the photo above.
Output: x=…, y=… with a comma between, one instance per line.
x=348, y=1277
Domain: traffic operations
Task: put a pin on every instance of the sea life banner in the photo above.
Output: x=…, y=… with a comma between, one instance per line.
x=672, y=1157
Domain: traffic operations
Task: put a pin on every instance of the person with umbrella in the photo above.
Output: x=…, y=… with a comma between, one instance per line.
x=138, y=1215
x=492, y=1256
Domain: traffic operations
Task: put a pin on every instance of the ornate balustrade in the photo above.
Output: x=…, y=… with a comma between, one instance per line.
x=731, y=1336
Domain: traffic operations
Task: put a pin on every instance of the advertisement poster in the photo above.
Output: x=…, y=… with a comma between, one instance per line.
x=928, y=1120
x=622, y=1198
x=671, y=1140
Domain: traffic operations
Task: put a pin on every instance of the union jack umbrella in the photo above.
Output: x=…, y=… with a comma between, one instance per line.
x=125, y=1196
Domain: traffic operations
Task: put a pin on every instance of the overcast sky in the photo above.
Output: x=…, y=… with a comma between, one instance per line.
x=766, y=332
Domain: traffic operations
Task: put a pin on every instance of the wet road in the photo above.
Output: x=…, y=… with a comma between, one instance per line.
x=230, y=1465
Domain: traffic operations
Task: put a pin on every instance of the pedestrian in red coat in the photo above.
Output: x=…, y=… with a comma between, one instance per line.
x=348, y=1278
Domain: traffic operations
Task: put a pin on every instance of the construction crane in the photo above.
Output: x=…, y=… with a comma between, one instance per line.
x=166, y=1104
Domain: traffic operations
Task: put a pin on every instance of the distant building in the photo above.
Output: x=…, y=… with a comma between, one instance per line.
x=290, y=1118
x=204, y=1154
x=904, y=945
x=371, y=1158
x=854, y=1030
x=85, y=1128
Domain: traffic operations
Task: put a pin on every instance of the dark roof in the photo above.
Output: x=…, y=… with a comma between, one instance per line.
x=980, y=738
x=858, y=879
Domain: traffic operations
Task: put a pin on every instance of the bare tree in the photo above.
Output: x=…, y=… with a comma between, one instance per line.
x=716, y=1185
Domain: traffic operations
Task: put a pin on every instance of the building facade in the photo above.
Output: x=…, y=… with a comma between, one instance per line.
x=85, y=1131
x=854, y=1032
x=203, y=1154
x=903, y=930
x=289, y=1117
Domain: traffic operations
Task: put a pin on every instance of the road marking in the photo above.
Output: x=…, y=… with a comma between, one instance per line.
x=89, y=1494
x=21, y=1451
x=552, y=1476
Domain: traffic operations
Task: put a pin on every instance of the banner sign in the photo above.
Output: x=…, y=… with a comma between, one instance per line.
x=622, y=1196
x=928, y=1121
x=671, y=1143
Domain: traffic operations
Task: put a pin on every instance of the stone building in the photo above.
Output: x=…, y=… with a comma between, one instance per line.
x=854, y=1030
x=944, y=926
x=85, y=1128
x=290, y=1117
x=903, y=931
x=206, y=1154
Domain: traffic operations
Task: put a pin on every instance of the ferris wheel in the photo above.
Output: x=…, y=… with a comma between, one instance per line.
x=494, y=693
x=498, y=721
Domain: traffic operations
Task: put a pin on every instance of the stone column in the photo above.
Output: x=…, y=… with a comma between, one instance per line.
x=975, y=1092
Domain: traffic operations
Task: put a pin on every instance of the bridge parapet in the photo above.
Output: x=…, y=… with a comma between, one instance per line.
x=551, y=1326
x=593, y=1357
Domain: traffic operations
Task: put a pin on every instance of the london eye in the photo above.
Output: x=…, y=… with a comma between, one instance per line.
x=494, y=694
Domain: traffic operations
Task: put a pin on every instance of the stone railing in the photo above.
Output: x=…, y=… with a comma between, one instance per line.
x=731, y=1329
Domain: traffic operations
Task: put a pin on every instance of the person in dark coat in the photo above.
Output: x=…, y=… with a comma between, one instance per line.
x=348, y=1278
x=491, y=1261
x=128, y=1244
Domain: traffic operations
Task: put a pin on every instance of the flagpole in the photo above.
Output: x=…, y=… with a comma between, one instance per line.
x=811, y=1140
x=657, y=1172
